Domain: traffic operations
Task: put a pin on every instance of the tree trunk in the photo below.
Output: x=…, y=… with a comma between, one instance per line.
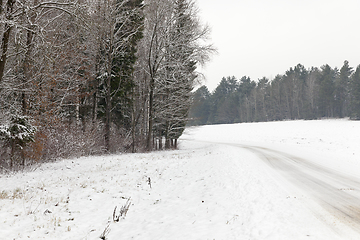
x=94, y=107
x=12, y=143
x=107, y=114
x=108, y=91
x=160, y=143
x=6, y=38
x=77, y=110
x=1, y=6
x=150, y=125
x=133, y=125
x=23, y=158
x=27, y=60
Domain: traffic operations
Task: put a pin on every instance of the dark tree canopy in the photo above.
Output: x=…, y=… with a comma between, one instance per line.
x=300, y=93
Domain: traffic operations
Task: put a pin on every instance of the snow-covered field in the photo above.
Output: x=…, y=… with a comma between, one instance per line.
x=214, y=187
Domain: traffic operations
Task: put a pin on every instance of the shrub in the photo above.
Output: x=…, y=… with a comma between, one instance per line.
x=16, y=135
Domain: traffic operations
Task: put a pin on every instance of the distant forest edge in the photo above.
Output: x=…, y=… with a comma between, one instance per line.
x=300, y=93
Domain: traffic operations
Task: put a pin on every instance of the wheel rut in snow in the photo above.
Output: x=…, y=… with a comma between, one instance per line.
x=334, y=191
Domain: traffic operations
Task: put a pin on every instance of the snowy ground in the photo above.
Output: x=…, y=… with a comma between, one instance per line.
x=215, y=187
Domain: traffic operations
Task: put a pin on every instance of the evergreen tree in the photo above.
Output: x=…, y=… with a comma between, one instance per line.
x=311, y=92
x=200, y=108
x=122, y=83
x=245, y=90
x=342, y=89
x=294, y=91
x=16, y=135
x=220, y=101
x=355, y=95
x=326, y=91
x=121, y=30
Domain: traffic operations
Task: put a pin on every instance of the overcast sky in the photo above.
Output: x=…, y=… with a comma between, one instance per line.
x=260, y=38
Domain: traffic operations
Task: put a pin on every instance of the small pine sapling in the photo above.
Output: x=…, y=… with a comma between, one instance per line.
x=17, y=134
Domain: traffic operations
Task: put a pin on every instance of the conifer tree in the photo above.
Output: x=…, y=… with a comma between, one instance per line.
x=355, y=94
x=200, y=108
x=326, y=91
x=123, y=64
x=120, y=30
x=342, y=90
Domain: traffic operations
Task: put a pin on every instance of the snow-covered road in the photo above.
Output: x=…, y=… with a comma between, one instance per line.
x=333, y=190
x=322, y=172
x=332, y=196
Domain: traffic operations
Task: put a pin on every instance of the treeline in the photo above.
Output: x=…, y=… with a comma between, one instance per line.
x=300, y=93
x=80, y=77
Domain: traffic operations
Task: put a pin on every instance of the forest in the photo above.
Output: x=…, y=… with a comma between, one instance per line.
x=84, y=77
x=300, y=93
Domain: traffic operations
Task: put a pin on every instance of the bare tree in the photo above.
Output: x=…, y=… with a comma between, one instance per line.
x=157, y=23
x=175, y=40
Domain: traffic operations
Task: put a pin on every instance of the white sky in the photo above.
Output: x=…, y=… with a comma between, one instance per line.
x=260, y=38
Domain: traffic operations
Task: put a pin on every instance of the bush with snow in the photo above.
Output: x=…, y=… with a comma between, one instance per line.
x=16, y=134
x=19, y=130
